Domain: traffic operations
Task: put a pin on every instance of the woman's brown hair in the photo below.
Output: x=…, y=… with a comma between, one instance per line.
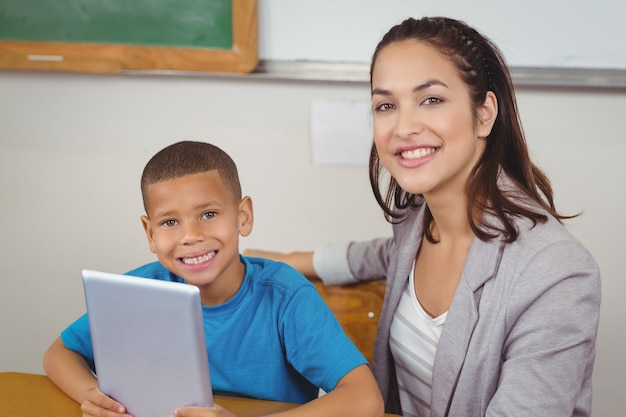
x=482, y=67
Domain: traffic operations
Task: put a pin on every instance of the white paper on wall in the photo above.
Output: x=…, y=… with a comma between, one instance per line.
x=341, y=132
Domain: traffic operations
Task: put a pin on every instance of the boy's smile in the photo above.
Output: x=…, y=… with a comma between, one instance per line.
x=198, y=260
x=193, y=226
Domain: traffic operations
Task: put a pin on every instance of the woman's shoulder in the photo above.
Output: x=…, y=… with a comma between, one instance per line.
x=549, y=246
x=549, y=233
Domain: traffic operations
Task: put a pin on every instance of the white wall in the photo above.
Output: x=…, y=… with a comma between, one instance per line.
x=72, y=148
x=531, y=33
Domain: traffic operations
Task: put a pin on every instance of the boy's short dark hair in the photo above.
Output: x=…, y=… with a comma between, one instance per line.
x=189, y=157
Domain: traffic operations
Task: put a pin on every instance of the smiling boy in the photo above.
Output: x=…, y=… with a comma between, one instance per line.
x=271, y=334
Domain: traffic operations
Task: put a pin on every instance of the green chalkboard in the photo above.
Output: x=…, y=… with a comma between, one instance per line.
x=149, y=34
x=194, y=23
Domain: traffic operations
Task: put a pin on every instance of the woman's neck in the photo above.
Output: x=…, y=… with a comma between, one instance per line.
x=450, y=222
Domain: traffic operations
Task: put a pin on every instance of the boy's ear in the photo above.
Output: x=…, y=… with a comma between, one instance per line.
x=487, y=114
x=147, y=227
x=246, y=216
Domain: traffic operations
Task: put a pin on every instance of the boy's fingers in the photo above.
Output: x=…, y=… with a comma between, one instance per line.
x=101, y=405
x=90, y=409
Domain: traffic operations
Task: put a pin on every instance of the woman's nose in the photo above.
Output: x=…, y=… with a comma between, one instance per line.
x=407, y=122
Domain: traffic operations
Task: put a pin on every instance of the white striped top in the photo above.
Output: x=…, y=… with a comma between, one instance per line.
x=413, y=343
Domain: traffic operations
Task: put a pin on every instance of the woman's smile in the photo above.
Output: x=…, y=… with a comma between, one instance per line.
x=416, y=157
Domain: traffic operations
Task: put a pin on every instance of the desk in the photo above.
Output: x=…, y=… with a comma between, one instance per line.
x=30, y=395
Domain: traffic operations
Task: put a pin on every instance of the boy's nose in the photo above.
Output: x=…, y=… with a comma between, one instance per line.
x=192, y=234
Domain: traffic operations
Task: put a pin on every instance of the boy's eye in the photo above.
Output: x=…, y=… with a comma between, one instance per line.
x=169, y=223
x=209, y=214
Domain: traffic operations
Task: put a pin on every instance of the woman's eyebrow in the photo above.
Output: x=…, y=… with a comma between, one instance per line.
x=420, y=87
x=428, y=84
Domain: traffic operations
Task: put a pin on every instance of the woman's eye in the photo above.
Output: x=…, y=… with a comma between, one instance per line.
x=432, y=100
x=169, y=223
x=384, y=107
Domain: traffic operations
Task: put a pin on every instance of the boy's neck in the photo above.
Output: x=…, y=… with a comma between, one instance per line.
x=224, y=288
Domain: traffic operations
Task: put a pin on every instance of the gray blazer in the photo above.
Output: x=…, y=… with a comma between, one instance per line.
x=520, y=334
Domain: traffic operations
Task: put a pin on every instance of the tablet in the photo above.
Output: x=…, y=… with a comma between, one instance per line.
x=148, y=342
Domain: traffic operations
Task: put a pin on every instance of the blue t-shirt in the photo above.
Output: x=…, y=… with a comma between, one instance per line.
x=275, y=339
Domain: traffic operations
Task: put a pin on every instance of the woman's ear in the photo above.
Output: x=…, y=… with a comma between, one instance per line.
x=487, y=113
x=246, y=216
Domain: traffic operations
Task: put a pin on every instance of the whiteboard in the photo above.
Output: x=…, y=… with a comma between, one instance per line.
x=530, y=33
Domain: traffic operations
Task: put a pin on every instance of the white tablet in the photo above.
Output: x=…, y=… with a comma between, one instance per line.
x=148, y=342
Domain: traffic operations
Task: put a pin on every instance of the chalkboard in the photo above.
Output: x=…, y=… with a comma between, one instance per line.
x=109, y=36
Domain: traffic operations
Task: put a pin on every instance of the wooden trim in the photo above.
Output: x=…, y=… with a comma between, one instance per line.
x=117, y=58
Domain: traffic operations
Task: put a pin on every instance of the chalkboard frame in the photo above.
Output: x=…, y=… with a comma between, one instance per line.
x=118, y=58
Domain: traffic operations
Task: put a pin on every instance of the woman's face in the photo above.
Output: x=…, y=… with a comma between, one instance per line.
x=425, y=129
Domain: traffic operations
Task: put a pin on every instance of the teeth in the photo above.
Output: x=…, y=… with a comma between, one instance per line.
x=199, y=259
x=417, y=153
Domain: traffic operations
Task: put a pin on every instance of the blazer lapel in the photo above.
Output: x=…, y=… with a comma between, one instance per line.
x=408, y=238
x=481, y=265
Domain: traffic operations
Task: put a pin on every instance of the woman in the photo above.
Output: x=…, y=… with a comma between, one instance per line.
x=491, y=306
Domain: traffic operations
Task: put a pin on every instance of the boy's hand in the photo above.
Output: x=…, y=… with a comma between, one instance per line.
x=98, y=404
x=217, y=411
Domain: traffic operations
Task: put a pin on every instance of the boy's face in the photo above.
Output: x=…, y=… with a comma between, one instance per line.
x=193, y=226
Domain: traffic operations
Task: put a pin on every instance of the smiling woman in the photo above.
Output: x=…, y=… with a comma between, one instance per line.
x=416, y=91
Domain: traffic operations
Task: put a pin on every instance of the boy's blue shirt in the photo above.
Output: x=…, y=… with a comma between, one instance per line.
x=276, y=339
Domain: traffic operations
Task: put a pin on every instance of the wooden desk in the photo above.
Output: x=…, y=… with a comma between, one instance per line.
x=30, y=395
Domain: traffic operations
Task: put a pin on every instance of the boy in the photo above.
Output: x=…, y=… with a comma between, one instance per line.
x=272, y=336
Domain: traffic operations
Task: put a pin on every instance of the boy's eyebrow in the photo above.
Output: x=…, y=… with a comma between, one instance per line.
x=420, y=87
x=160, y=214
x=202, y=206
